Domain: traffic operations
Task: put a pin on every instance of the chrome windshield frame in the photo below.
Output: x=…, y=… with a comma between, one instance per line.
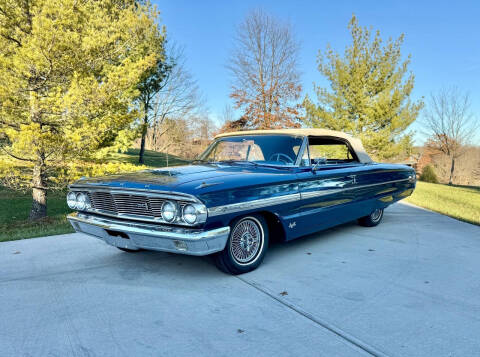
x=301, y=151
x=296, y=163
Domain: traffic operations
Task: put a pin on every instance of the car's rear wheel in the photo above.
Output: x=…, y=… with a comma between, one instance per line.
x=246, y=245
x=372, y=219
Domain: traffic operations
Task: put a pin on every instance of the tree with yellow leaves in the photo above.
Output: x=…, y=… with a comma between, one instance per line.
x=69, y=72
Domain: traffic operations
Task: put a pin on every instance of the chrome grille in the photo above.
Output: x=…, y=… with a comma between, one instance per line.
x=128, y=204
x=132, y=204
x=102, y=200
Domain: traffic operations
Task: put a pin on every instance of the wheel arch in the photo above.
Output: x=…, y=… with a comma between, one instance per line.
x=276, y=229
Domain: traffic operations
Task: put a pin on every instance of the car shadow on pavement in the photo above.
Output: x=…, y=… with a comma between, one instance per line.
x=130, y=265
x=176, y=265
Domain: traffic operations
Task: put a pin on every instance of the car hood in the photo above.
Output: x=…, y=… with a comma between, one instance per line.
x=191, y=179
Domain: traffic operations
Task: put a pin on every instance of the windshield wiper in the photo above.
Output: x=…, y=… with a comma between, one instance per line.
x=238, y=162
x=202, y=161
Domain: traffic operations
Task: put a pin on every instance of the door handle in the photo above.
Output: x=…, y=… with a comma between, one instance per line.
x=353, y=178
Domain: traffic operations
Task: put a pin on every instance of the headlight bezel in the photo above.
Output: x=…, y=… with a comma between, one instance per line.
x=184, y=214
x=175, y=211
x=83, y=203
x=75, y=203
x=200, y=213
x=72, y=202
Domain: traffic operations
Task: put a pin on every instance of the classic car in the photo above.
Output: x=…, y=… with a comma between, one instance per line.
x=247, y=188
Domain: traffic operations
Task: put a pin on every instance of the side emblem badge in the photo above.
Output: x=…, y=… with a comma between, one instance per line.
x=292, y=225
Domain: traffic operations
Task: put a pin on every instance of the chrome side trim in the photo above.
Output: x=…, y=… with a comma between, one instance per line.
x=263, y=202
x=307, y=195
x=237, y=207
x=135, y=191
x=312, y=194
x=271, y=201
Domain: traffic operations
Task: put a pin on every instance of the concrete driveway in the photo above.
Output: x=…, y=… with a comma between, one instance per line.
x=409, y=287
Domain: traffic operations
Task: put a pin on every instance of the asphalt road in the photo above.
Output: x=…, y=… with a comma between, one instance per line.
x=409, y=287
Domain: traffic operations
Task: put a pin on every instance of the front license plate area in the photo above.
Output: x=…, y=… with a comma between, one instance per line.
x=117, y=234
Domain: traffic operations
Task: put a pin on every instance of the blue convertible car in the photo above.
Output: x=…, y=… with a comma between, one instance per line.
x=245, y=188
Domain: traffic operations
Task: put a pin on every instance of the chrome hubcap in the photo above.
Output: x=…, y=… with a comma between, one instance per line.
x=376, y=215
x=245, y=241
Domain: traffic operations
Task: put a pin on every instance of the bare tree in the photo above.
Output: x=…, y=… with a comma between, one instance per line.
x=450, y=123
x=185, y=137
x=264, y=67
x=476, y=172
x=149, y=86
x=178, y=96
x=228, y=114
x=204, y=127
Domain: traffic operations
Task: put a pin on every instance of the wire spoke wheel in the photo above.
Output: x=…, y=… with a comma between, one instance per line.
x=246, y=240
x=376, y=215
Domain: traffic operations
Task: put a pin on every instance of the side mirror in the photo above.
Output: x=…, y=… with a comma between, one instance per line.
x=317, y=162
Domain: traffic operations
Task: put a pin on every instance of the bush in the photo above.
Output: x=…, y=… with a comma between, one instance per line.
x=428, y=175
x=17, y=175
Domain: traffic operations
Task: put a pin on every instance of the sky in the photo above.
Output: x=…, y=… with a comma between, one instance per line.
x=442, y=37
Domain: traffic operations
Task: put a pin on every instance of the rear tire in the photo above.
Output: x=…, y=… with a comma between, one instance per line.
x=246, y=245
x=373, y=219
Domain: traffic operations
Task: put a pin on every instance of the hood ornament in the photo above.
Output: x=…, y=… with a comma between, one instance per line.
x=204, y=184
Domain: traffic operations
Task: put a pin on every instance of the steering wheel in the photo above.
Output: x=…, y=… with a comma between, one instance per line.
x=281, y=157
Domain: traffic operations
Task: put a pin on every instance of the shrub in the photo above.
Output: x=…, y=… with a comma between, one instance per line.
x=15, y=175
x=428, y=174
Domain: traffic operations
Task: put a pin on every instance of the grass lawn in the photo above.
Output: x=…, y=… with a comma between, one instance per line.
x=14, y=210
x=15, y=206
x=460, y=202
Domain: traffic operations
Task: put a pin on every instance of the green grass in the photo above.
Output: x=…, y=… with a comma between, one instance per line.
x=15, y=206
x=14, y=210
x=460, y=202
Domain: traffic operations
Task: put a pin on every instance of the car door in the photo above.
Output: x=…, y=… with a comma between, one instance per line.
x=327, y=179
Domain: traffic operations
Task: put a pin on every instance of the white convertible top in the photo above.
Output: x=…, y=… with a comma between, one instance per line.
x=355, y=143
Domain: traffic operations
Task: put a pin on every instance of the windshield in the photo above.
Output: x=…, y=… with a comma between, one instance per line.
x=259, y=149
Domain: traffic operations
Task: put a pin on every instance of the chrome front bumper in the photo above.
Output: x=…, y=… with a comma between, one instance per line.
x=136, y=235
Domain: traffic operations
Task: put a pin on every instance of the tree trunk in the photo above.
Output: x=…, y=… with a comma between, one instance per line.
x=142, y=144
x=39, y=193
x=452, y=168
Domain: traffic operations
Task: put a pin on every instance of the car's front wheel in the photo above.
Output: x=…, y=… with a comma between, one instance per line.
x=372, y=219
x=246, y=245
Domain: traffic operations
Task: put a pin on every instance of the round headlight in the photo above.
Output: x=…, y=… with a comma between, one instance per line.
x=72, y=200
x=169, y=211
x=189, y=214
x=81, y=201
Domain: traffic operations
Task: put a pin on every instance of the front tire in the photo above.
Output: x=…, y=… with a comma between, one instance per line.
x=246, y=245
x=373, y=219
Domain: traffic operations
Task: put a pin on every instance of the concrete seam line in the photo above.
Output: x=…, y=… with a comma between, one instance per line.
x=326, y=325
x=57, y=273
